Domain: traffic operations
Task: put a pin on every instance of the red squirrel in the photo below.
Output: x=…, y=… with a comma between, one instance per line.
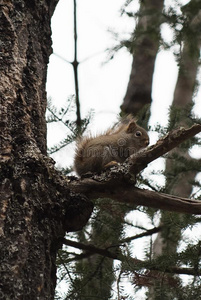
x=94, y=154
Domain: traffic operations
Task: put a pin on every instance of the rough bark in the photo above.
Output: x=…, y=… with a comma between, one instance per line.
x=146, y=44
x=35, y=210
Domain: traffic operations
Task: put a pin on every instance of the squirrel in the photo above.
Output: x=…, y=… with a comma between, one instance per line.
x=94, y=154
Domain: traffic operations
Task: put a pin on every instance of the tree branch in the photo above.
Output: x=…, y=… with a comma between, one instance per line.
x=75, y=65
x=140, y=235
x=171, y=140
x=135, y=262
x=89, y=248
x=116, y=183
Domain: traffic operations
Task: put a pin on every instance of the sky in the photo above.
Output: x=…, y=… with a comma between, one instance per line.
x=102, y=84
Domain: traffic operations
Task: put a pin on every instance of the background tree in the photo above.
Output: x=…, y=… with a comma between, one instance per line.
x=176, y=182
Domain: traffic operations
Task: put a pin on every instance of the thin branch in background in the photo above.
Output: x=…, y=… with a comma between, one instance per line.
x=57, y=118
x=82, y=61
x=143, y=234
x=90, y=248
x=62, y=58
x=75, y=65
x=75, y=68
x=79, y=257
x=133, y=262
x=65, y=267
x=118, y=285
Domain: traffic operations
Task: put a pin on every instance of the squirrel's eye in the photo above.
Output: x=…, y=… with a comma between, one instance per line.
x=138, y=133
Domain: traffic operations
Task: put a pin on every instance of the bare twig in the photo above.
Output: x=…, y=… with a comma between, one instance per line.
x=75, y=65
x=143, y=234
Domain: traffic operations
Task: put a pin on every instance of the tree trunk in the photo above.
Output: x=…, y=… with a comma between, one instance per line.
x=145, y=49
x=35, y=209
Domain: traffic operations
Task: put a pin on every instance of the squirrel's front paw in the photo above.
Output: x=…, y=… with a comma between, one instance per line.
x=110, y=164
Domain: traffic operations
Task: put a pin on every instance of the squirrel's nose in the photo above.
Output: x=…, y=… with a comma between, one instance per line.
x=147, y=142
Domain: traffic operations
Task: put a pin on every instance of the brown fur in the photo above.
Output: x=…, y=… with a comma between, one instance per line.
x=93, y=154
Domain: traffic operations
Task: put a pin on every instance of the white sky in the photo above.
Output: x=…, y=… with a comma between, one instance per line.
x=102, y=86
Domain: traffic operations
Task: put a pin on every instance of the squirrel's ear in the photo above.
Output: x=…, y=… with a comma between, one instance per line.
x=131, y=127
